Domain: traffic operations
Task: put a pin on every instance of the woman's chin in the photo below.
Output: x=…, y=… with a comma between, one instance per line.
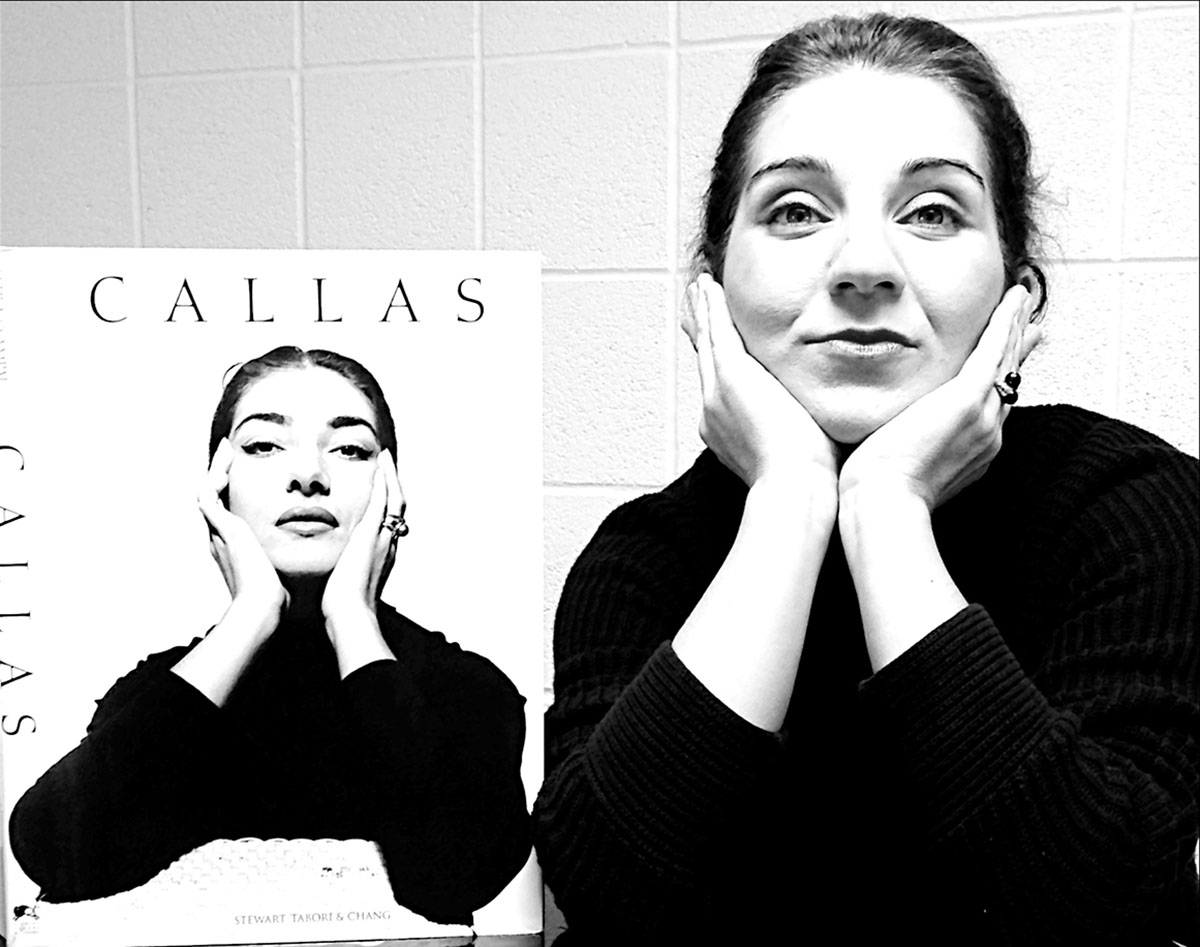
x=850, y=429
x=303, y=568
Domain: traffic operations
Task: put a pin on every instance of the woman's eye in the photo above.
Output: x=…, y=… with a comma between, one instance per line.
x=354, y=451
x=260, y=447
x=933, y=217
x=795, y=216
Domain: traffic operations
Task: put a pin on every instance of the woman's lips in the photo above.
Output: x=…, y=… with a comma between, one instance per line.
x=307, y=521
x=846, y=348
x=863, y=343
x=306, y=527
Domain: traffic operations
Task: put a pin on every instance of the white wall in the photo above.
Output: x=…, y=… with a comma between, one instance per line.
x=583, y=130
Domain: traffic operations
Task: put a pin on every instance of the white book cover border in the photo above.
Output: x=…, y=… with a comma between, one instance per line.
x=110, y=380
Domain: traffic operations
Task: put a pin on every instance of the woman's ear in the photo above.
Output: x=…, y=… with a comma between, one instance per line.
x=1030, y=276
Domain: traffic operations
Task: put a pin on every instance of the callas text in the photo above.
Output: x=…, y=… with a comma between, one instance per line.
x=106, y=300
x=12, y=724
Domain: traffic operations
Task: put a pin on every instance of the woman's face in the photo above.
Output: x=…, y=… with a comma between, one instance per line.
x=304, y=457
x=864, y=258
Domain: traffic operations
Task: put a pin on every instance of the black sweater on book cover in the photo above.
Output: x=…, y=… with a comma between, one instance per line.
x=421, y=755
x=1026, y=774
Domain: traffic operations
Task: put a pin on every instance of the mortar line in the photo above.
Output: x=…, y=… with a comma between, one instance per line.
x=1124, y=112
x=131, y=103
x=299, y=133
x=477, y=126
x=674, y=175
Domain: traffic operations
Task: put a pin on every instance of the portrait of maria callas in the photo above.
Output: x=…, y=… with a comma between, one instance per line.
x=311, y=709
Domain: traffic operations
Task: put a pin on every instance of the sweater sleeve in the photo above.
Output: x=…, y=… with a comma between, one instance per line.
x=1067, y=789
x=645, y=767
x=140, y=790
x=442, y=732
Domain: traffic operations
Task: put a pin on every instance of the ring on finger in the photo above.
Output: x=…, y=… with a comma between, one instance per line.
x=1007, y=389
x=394, y=523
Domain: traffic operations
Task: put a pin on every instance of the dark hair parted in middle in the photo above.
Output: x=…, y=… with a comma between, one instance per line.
x=287, y=357
x=905, y=45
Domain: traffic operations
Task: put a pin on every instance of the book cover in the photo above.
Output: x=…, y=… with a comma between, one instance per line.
x=185, y=429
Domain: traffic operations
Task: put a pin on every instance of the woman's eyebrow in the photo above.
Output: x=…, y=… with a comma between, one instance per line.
x=269, y=417
x=917, y=165
x=795, y=163
x=350, y=420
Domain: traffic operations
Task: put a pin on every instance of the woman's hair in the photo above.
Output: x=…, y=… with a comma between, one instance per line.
x=907, y=46
x=287, y=357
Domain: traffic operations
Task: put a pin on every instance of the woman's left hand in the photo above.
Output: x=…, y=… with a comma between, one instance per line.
x=945, y=440
x=365, y=563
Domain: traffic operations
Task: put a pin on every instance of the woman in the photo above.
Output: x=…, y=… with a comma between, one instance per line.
x=312, y=709
x=860, y=673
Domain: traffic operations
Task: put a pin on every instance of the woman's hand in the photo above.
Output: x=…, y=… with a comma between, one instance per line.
x=750, y=421
x=945, y=440
x=259, y=599
x=365, y=563
x=258, y=596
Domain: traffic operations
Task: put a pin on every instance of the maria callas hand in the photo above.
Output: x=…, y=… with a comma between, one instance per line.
x=252, y=580
x=750, y=421
x=945, y=440
x=365, y=563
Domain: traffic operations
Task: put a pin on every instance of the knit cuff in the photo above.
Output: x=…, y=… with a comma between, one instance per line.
x=961, y=713
x=670, y=762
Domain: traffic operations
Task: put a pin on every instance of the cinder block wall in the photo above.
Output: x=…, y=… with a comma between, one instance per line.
x=583, y=130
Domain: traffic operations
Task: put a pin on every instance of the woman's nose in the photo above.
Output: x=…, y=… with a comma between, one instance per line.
x=865, y=262
x=309, y=477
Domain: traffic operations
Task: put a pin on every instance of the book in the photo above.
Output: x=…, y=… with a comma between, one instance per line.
x=112, y=363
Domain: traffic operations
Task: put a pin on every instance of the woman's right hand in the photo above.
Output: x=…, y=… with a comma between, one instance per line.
x=750, y=421
x=253, y=583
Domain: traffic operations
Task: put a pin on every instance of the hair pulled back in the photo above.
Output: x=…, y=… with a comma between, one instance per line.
x=289, y=357
x=904, y=45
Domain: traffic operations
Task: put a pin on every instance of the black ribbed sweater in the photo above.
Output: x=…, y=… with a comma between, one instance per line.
x=421, y=755
x=1028, y=773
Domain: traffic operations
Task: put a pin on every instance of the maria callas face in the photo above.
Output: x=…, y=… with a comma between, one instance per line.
x=864, y=258
x=305, y=450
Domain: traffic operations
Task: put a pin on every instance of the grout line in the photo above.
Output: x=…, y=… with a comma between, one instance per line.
x=674, y=175
x=275, y=72
x=389, y=65
x=600, y=490
x=758, y=40
x=131, y=100
x=587, y=52
x=300, y=131
x=76, y=83
x=477, y=85
x=1170, y=263
x=560, y=275
x=578, y=275
x=1124, y=112
x=1163, y=12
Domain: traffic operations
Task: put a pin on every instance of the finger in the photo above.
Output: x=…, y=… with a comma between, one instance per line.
x=687, y=314
x=396, y=504
x=220, y=553
x=704, y=352
x=1030, y=340
x=726, y=340
x=218, y=469
x=214, y=513
x=370, y=532
x=984, y=364
x=216, y=480
x=377, y=504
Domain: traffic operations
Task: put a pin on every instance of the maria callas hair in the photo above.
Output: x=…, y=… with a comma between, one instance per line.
x=906, y=46
x=287, y=357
